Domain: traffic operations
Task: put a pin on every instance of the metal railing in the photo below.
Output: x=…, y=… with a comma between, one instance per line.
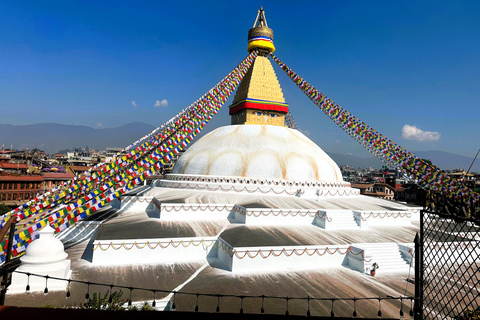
x=217, y=303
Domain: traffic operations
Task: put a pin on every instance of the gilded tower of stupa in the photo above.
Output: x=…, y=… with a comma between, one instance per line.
x=258, y=144
x=259, y=98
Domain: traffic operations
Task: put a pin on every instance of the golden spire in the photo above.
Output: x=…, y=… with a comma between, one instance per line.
x=260, y=36
x=259, y=98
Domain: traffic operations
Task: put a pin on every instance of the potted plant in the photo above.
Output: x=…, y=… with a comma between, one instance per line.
x=374, y=268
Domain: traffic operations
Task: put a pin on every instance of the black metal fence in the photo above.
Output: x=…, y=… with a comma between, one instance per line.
x=219, y=303
x=450, y=260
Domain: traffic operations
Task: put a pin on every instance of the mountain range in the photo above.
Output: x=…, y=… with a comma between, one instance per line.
x=53, y=137
x=441, y=159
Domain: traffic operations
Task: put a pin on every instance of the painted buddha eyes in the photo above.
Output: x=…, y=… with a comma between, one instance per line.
x=259, y=113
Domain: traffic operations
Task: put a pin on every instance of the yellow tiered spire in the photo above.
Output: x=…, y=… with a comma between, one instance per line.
x=259, y=98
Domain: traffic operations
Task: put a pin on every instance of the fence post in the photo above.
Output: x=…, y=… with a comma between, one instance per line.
x=6, y=274
x=418, y=306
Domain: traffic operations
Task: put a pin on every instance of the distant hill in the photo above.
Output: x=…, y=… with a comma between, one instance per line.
x=355, y=161
x=441, y=159
x=449, y=161
x=53, y=137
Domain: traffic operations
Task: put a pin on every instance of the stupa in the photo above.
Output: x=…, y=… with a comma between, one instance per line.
x=258, y=196
x=257, y=152
x=252, y=208
x=44, y=256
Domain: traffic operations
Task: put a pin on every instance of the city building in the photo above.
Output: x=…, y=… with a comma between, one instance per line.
x=378, y=190
x=16, y=190
x=54, y=179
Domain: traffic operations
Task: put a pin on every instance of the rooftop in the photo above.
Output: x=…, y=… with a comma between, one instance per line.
x=8, y=165
x=21, y=178
x=58, y=175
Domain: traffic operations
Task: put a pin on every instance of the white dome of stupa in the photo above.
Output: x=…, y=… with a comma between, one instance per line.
x=258, y=151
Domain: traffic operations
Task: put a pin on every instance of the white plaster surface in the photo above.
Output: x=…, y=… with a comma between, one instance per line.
x=259, y=151
x=44, y=256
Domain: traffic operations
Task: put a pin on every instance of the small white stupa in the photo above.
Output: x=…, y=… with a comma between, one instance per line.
x=44, y=256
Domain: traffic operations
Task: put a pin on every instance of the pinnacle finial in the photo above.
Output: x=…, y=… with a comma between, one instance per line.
x=260, y=36
x=260, y=21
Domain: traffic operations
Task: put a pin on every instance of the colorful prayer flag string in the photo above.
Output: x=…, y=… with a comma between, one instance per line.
x=428, y=176
x=85, y=196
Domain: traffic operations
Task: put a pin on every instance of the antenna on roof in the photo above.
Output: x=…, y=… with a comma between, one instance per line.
x=473, y=161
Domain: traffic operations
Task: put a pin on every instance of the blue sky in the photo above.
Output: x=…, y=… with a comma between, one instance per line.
x=409, y=69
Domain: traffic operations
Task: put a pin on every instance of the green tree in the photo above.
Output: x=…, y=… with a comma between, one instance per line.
x=427, y=161
x=107, y=302
x=4, y=209
x=112, y=303
x=469, y=314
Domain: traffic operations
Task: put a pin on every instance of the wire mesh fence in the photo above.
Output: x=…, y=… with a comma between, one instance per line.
x=450, y=270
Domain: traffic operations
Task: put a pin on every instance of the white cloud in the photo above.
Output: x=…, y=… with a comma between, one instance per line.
x=99, y=124
x=134, y=103
x=162, y=103
x=305, y=132
x=414, y=133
